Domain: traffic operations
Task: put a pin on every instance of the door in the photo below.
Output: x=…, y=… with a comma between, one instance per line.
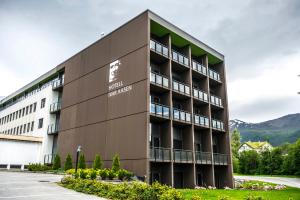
x=155, y=176
x=199, y=179
x=178, y=180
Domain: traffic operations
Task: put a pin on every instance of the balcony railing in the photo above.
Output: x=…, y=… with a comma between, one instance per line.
x=160, y=154
x=159, y=80
x=181, y=115
x=200, y=95
x=214, y=75
x=182, y=155
x=53, y=129
x=58, y=83
x=201, y=120
x=203, y=157
x=55, y=107
x=159, y=48
x=159, y=110
x=217, y=124
x=181, y=87
x=178, y=57
x=220, y=159
x=48, y=158
x=217, y=101
x=199, y=68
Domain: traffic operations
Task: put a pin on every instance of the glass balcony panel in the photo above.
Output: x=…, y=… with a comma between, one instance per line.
x=176, y=114
x=180, y=58
x=188, y=117
x=196, y=94
x=187, y=89
x=175, y=86
x=204, y=70
x=159, y=79
x=152, y=45
x=182, y=115
x=152, y=108
x=158, y=48
x=205, y=98
x=206, y=122
x=181, y=88
x=174, y=56
x=222, y=126
x=165, y=82
x=166, y=111
x=200, y=95
x=202, y=120
x=165, y=51
x=152, y=77
x=194, y=65
x=197, y=119
x=186, y=61
x=158, y=109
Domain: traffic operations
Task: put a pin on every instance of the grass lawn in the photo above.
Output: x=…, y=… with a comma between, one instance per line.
x=293, y=193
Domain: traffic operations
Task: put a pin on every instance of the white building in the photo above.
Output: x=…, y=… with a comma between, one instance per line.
x=29, y=121
x=256, y=146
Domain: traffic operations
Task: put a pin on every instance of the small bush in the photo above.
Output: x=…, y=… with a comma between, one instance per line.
x=37, y=167
x=103, y=173
x=116, y=163
x=81, y=164
x=124, y=174
x=111, y=174
x=70, y=171
x=97, y=162
x=68, y=163
x=56, y=163
x=83, y=174
x=93, y=174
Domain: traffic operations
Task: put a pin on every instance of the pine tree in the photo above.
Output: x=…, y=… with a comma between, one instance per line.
x=68, y=163
x=81, y=164
x=235, y=142
x=97, y=162
x=56, y=163
x=116, y=163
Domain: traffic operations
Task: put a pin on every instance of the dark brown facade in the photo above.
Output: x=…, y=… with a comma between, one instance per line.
x=139, y=92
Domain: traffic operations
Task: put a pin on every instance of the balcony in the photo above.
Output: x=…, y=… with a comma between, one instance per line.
x=220, y=159
x=159, y=48
x=159, y=80
x=214, y=75
x=216, y=101
x=199, y=68
x=200, y=95
x=181, y=88
x=55, y=107
x=159, y=154
x=201, y=120
x=181, y=115
x=203, y=157
x=53, y=129
x=185, y=156
x=179, y=58
x=159, y=110
x=217, y=125
x=58, y=84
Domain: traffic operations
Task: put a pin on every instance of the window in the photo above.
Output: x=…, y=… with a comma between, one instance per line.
x=21, y=129
x=28, y=127
x=20, y=113
x=14, y=131
x=40, y=123
x=17, y=114
x=23, y=112
x=13, y=116
x=34, y=107
x=30, y=109
x=32, y=125
x=27, y=107
x=43, y=102
x=17, y=132
x=24, y=129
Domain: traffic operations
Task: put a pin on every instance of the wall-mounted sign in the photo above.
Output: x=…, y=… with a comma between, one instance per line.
x=116, y=87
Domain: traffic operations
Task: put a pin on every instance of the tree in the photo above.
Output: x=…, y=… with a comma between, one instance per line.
x=235, y=162
x=97, y=162
x=249, y=162
x=81, y=164
x=264, y=166
x=56, y=163
x=276, y=161
x=116, y=163
x=68, y=163
x=235, y=142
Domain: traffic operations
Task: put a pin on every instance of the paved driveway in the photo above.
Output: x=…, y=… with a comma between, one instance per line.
x=292, y=182
x=33, y=186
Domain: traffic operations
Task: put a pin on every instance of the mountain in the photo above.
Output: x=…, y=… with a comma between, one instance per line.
x=276, y=131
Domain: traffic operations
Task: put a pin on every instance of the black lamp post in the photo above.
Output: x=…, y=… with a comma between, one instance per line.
x=77, y=155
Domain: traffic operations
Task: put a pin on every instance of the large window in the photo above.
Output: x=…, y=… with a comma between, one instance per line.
x=40, y=123
x=43, y=102
x=32, y=125
x=34, y=107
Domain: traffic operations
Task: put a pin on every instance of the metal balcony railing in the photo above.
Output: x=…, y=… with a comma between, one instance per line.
x=159, y=48
x=53, y=129
x=49, y=158
x=58, y=83
x=159, y=110
x=159, y=79
x=203, y=157
x=201, y=120
x=214, y=75
x=181, y=87
x=199, y=67
x=217, y=101
x=55, y=107
x=200, y=95
x=181, y=115
x=178, y=57
x=217, y=124
x=220, y=159
x=182, y=155
x=160, y=154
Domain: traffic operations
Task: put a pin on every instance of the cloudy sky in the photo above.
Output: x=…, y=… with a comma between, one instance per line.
x=260, y=39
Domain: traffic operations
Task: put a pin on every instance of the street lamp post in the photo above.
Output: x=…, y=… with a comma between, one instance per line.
x=77, y=155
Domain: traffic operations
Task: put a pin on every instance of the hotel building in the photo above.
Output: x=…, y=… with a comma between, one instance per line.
x=147, y=91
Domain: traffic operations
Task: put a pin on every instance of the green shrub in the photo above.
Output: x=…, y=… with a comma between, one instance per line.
x=196, y=197
x=56, y=162
x=97, y=162
x=37, y=167
x=103, y=173
x=93, y=174
x=83, y=174
x=68, y=163
x=252, y=197
x=111, y=174
x=81, y=164
x=223, y=197
x=116, y=163
x=124, y=174
x=70, y=171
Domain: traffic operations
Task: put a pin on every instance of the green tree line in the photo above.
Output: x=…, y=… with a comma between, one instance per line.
x=282, y=160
